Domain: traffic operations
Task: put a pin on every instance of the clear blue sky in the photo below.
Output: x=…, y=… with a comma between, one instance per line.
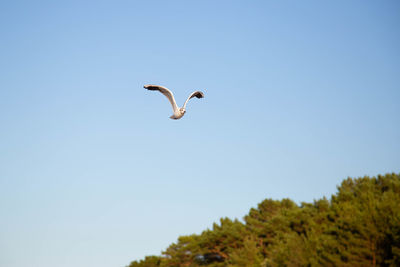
x=298, y=96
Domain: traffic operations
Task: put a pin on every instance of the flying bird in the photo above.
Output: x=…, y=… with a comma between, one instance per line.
x=178, y=112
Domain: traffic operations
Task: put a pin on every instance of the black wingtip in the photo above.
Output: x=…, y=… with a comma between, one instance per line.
x=199, y=95
x=150, y=87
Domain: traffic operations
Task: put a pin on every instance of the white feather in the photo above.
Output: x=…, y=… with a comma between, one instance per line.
x=178, y=112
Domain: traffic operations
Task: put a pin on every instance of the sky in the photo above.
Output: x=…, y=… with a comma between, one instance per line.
x=299, y=95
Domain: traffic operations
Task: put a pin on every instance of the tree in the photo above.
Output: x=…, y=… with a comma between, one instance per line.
x=358, y=226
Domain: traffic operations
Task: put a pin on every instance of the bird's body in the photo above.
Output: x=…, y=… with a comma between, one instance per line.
x=178, y=112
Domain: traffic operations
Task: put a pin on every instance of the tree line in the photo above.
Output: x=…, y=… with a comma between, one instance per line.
x=357, y=226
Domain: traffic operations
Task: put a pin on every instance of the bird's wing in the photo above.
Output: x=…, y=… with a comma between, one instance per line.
x=197, y=94
x=165, y=92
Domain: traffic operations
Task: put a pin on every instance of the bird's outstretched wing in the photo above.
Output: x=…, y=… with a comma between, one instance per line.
x=165, y=92
x=197, y=94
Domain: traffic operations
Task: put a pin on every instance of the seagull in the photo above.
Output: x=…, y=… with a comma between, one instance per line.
x=178, y=112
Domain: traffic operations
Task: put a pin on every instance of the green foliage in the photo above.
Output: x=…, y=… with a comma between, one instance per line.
x=358, y=226
x=149, y=261
x=249, y=254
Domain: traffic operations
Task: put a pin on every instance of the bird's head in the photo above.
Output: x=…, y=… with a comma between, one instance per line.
x=182, y=110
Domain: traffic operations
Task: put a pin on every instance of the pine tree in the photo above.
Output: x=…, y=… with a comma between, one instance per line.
x=358, y=226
